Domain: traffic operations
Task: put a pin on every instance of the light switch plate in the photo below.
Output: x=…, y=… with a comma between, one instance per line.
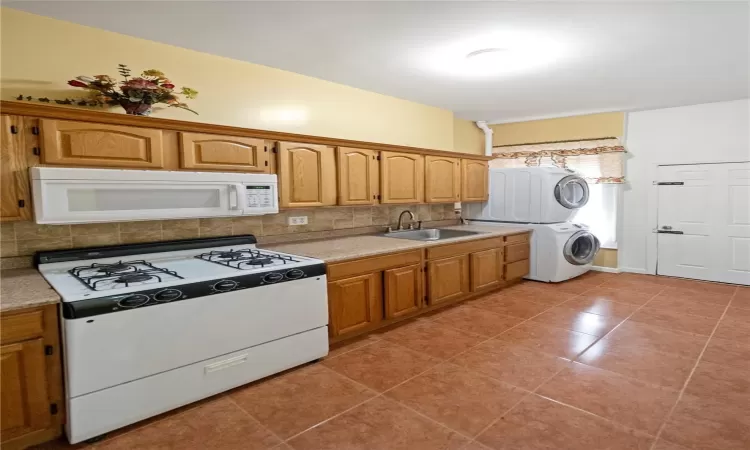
x=298, y=220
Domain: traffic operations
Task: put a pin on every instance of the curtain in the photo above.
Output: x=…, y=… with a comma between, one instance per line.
x=599, y=161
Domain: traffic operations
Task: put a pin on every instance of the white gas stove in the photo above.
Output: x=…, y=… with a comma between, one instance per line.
x=151, y=327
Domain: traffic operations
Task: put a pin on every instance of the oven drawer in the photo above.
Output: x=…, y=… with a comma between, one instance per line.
x=147, y=397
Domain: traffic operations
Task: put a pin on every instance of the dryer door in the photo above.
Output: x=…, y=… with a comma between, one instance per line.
x=572, y=192
x=581, y=248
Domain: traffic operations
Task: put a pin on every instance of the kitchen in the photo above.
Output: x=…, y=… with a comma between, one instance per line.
x=297, y=208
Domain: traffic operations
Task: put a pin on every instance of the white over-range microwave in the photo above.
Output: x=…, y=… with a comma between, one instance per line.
x=66, y=195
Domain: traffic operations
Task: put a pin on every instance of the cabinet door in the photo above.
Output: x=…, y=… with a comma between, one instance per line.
x=358, y=172
x=442, y=179
x=101, y=145
x=474, y=184
x=227, y=153
x=448, y=279
x=25, y=404
x=355, y=303
x=15, y=201
x=401, y=177
x=486, y=269
x=307, y=175
x=403, y=290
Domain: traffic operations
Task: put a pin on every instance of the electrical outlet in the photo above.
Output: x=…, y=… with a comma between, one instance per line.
x=298, y=220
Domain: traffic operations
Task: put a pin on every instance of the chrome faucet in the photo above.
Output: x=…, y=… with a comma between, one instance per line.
x=401, y=217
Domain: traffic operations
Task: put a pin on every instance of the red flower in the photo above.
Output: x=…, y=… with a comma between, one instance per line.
x=77, y=83
x=168, y=86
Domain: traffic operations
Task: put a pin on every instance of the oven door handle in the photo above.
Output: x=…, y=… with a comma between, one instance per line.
x=236, y=197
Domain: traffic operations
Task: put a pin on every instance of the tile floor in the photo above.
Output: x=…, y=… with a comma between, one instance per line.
x=601, y=362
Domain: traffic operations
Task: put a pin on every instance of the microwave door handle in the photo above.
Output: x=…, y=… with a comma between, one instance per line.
x=236, y=197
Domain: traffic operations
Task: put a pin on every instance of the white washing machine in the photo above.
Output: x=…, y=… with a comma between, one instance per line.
x=559, y=251
x=530, y=195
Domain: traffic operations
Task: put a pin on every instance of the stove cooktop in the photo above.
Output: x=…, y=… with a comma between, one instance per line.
x=125, y=270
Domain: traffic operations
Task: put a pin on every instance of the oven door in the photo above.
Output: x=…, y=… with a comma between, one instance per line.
x=83, y=201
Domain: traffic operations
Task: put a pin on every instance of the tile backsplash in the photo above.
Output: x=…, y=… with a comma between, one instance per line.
x=22, y=239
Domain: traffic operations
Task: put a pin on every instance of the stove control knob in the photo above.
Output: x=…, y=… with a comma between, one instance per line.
x=225, y=285
x=273, y=277
x=133, y=301
x=294, y=274
x=167, y=295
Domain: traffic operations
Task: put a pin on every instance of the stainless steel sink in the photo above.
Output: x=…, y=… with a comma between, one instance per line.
x=429, y=234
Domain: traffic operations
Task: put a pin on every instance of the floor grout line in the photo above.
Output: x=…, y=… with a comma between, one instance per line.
x=281, y=441
x=692, y=371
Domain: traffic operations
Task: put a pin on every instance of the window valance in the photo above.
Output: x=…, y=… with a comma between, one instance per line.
x=598, y=161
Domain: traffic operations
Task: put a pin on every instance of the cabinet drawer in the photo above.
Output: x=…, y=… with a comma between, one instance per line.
x=445, y=251
x=18, y=327
x=375, y=264
x=517, y=269
x=517, y=238
x=516, y=252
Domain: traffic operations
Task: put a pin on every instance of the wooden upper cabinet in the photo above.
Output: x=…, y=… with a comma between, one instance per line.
x=355, y=303
x=442, y=179
x=15, y=198
x=226, y=153
x=486, y=269
x=23, y=381
x=307, y=175
x=474, y=184
x=401, y=177
x=358, y=176
x=101, y=145
x=448, y=279
x=403, y=290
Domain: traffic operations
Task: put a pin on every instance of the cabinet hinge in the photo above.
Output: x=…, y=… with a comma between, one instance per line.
x=53, y=408
x=49, y=350
x=35, y=131
x=36, y=151
x=266, y=163
x=265, y=148
x=13, y=129
x=378, y=157
x=378, y=196
x=21, y=203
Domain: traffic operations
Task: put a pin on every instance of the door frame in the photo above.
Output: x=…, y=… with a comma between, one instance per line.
x=652, y=252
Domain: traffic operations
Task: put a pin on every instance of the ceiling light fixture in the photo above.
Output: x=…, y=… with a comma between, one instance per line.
x=508, y=53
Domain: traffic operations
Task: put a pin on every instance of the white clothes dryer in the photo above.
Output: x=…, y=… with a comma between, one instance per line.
x=530, y=195
x=559, y=251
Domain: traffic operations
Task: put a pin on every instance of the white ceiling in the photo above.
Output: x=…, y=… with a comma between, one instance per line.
x=612, y=56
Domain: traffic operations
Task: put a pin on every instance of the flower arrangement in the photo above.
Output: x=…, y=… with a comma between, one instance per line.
x=135, y=94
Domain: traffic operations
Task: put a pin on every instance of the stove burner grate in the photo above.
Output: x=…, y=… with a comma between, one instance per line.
x=245, y=259
x=102, y=276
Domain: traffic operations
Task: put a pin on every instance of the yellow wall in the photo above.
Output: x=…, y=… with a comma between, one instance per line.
x=607, y=257
x=559, y=129
x=40, y=54
x=467, y=137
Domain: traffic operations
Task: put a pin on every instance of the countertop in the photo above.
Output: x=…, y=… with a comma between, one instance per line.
x=24, y=288
x=353, y=247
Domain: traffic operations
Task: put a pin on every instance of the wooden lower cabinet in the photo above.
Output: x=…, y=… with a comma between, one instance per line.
x=516, y=270
x=486, y=269
x=447, y=279
x=30, y=378
x=403, y=290
x=370, y=293
x=355, y=303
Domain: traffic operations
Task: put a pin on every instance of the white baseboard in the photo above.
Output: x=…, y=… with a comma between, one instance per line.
x=605, y=269
x=633, y=270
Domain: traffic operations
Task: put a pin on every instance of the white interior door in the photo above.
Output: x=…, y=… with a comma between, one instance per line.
x=704, y=222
